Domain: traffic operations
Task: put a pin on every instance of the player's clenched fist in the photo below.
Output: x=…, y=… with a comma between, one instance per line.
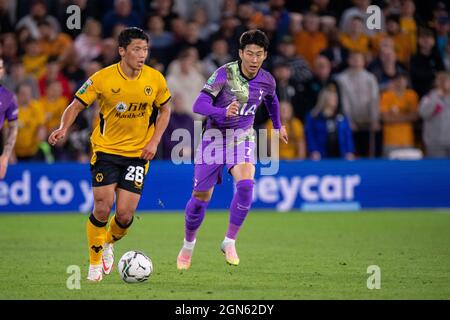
x=56, y=135
x=233, y=109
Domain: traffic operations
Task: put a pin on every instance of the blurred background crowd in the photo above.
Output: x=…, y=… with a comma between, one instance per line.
x=346, y=91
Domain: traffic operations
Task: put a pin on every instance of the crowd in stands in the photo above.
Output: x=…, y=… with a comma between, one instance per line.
x=346, y=90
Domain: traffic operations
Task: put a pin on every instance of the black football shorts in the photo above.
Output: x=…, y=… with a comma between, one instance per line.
x=128, y=173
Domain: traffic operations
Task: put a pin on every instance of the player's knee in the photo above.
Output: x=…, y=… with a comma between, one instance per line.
x=202, y=195
x=125, y=220
x=102, y=209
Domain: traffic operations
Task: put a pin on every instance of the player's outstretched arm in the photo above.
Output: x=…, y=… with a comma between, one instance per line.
x=273, y=107
x=67, y=119
x=162, y=121
x=13, y=128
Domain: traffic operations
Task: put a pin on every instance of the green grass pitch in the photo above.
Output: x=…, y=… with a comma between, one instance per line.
x=283, y=256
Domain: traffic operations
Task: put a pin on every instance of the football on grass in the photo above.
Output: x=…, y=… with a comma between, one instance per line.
x=135, y=266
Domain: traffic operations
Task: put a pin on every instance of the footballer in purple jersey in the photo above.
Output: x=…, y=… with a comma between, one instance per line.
x=8, y=111
x=229, y=100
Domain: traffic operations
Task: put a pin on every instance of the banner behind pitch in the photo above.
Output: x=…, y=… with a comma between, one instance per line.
x=306, y=185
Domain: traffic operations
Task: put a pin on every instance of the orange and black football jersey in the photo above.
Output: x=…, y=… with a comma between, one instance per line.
x=126, y=106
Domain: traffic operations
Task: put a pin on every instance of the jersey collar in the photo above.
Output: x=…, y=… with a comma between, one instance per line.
x=119, y=69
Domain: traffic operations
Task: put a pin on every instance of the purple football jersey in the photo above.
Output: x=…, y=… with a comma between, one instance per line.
x=8, y=106
x=228, y=83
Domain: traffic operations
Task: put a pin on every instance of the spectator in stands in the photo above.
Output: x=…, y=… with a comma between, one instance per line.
x=38, y=12
x=53, y=43
x=34, y=60
x=192, y=39
x=230, y=7
x=309, y=92
x=286, y=88
x=385, y=67
x=73, y=72
x=179, y=118
x=10, y=49
x=425, y=63
x=18, y=76
x=335, y=52
x=161, y=40
x=109, y=53
x=435, y=112
x=359, y=9
x=295, y=25
x=31, y=126
x=230, y=31
x=248, y=16
x=269, y=27
x=184, y=76
x=360, y=103
x=164, y=9
x=88, y=44
x=447, y=57
x=121, y=14
x=402, y=42
x=217, y=58
x=398, y=107
x=355, y=39
x=5, y=18
x=442, y=28
x=54, y=103
x=282, y=18
x=295, y=148
x=322, y=8
x=328, y=132
x=188, y=9
x=178, y=28
x=328, y=18
x=53, y=73
x=300, y=69
x=310, y=41
x=206, y=23
x=408, y=22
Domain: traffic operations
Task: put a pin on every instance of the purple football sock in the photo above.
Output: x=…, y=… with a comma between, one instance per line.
x=240, y=205
x=194, y=214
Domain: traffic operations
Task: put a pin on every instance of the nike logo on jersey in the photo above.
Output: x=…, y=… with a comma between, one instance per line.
x=115, y=91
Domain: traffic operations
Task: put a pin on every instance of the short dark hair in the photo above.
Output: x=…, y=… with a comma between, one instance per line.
x=395, y=17
x=256, y=37
x=425, y=33
x=128, y=34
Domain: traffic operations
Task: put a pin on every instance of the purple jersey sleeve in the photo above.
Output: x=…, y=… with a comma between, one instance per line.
x=203, y=105
x=216, y=82
x=12, y=112
x=273, y=107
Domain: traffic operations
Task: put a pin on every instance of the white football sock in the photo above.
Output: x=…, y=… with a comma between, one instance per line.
x=229, y=241
x=189, y=245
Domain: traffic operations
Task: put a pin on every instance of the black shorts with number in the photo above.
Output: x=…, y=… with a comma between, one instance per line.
x=128, y=173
